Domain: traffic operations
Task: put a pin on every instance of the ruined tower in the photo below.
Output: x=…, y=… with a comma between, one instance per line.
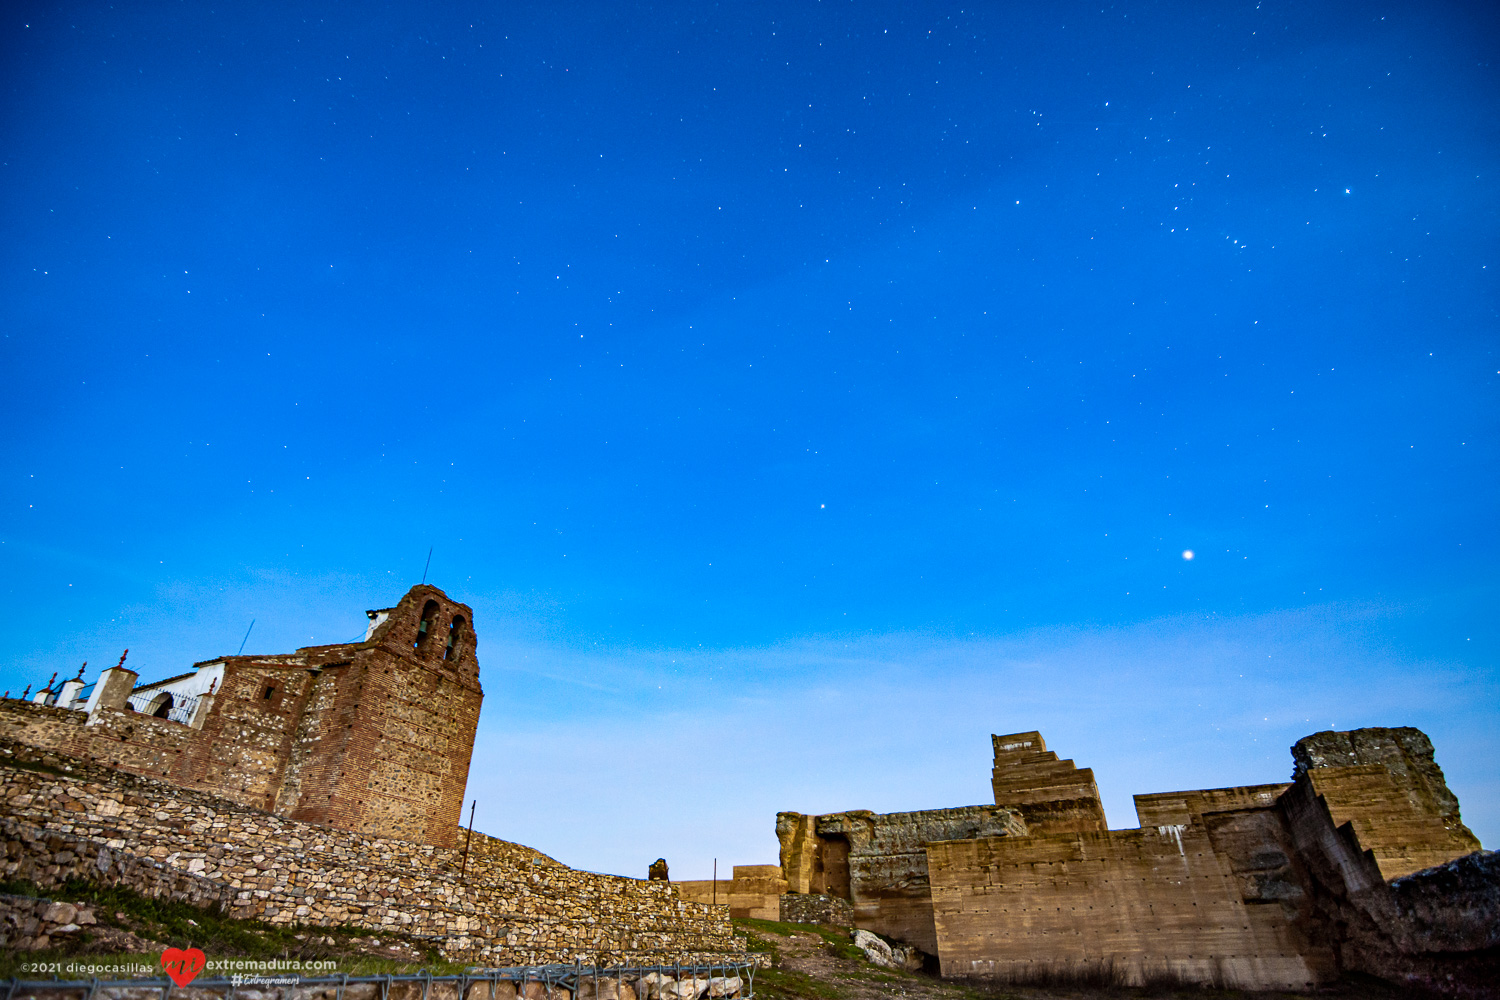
x=385, y=737
x=373, y=736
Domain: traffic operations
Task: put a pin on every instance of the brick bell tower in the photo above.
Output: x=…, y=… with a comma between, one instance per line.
x=386, y=745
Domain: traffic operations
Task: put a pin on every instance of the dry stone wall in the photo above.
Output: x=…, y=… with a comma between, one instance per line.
x=65, y=818
x=817, y=908
x=28, y=924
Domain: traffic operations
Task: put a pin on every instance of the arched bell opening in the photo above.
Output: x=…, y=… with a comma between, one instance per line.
x=455, y=636
x=424, y=627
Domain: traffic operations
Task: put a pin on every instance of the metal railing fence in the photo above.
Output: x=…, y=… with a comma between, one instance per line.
x=180, y=708
x=553, y=978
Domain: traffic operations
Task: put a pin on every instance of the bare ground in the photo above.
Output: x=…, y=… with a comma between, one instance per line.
x=818, y=962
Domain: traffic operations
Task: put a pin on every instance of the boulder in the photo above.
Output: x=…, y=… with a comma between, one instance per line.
x=607, y=989
x=725, y=986
x=877, y=951
x=59, y=913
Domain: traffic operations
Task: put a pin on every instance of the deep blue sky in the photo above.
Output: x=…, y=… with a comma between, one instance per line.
x=739, y=360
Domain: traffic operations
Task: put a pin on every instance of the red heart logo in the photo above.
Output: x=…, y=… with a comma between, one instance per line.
x=183, y=966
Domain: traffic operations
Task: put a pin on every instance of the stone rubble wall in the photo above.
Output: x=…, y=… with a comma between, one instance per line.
x=503, y=911
x=28, y=924
x=815, y=908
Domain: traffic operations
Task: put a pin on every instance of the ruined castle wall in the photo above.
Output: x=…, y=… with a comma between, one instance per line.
x=502, y=911
x=1386, y=783
x=236, y=754
x=1177, y=808
x=1050, y=795
x=240, y=752
x=1437, y=928
x=1141, y=902
x=877, y=861
x=245, y=743
x=314, y=752
x=395, y=744
x=374, y=737
x=754, y=893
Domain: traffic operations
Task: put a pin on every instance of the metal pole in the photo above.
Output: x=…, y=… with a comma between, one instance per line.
x=470, y=837
x=716, y=881
x=242, y=641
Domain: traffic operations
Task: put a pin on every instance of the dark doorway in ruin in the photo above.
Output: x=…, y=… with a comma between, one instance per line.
x=833, y=855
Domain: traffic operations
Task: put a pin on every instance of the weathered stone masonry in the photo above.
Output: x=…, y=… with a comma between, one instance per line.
x=512, y=907
x=373, y=736
x=1361, y=863
x=318, y=787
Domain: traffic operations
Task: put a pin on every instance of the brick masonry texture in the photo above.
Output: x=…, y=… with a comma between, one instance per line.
x=373, y=736
x=65, y=818
x=1361, y=863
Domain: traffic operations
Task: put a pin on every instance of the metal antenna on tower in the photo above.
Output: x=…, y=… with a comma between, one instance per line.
x=247, y=637
x=429, y=564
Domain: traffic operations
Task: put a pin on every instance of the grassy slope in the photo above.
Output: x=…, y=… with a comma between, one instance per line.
x=357, y=951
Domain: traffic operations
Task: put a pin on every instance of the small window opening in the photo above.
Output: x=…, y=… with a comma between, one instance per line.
x=454, y=631
x=269, y=691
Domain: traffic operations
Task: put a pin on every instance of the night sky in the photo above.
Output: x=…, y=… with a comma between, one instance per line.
x=798, y=392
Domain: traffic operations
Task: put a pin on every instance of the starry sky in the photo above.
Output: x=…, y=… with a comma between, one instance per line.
x=798, y=392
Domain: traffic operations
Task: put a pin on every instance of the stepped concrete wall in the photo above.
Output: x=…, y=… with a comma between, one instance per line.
x=1361, y=863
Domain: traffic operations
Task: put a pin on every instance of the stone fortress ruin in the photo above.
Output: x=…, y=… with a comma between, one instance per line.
x=1360, y=863
x=324, y=787
x=371, y=736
